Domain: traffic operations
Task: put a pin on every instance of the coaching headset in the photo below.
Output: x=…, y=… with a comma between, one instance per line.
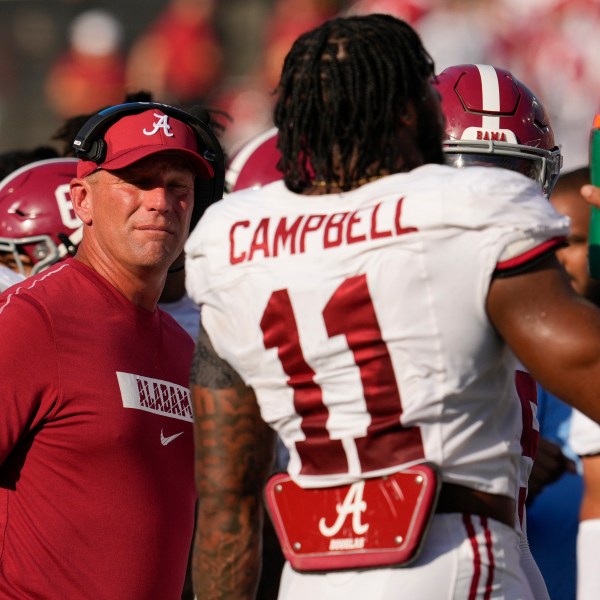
x=89, y=144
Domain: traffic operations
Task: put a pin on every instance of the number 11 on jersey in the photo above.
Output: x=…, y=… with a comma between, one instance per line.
x=350, y=313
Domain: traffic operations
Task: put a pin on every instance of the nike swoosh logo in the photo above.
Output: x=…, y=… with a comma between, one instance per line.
x=167, y=440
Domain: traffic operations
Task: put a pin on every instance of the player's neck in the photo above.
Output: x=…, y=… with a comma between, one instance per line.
x=322, y=186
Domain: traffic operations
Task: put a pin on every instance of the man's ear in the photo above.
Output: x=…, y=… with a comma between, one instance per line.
x=81, y=199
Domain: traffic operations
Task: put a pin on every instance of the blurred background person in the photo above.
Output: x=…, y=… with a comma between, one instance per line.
x=91, y=72
x=556, y=484
x=583, y=436
x=289, y=20
x=179, y=57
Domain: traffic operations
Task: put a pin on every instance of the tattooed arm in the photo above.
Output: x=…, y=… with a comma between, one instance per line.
x=234, y=453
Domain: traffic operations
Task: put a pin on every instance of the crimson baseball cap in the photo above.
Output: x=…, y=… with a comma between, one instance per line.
x=137, y=136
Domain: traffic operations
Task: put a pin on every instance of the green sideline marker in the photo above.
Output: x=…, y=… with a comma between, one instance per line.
x=594, y=233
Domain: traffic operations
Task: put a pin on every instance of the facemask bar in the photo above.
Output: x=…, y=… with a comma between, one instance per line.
x=542, y=165
x=50, y=251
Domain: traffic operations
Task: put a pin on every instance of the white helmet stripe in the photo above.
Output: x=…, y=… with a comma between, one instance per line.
x=490, y=93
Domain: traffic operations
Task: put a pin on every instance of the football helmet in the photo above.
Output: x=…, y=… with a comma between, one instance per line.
x=36, y=215
x=255, y=163
x=493, y=119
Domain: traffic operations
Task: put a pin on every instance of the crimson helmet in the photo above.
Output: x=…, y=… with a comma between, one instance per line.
x=493, y=119
x=36, y=214
x=255, y=163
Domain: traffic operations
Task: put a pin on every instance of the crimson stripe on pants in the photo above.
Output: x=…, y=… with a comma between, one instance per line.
x=468, y=523
x=490, y=553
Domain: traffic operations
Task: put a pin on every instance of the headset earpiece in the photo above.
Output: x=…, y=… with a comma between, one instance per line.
x=97, y=151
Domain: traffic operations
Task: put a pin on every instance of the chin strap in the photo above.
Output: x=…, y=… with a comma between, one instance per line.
x=69, y=243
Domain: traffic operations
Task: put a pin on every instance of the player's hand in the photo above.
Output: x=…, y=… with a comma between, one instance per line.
x=591, y=193
x=550, y=464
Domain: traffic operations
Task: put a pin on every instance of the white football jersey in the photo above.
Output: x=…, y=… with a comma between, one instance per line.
x=360, y=321
x=528, y=438
x=185, y=312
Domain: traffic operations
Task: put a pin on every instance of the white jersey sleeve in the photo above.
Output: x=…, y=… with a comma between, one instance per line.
x=185, y=312
x=359, y=318
x=588, y=574
x=584, y=435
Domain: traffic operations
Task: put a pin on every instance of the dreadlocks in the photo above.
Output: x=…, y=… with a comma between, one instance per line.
x=343, y=88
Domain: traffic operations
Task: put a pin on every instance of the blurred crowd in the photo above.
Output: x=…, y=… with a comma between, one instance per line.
x=199, y=51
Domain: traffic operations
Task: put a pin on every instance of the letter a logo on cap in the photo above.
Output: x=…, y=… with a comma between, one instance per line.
x=162, y=123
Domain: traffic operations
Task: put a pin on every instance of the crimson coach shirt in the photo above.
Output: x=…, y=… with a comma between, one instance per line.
x=96, y=444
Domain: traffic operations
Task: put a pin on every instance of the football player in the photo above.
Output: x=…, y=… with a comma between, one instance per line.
x=584, y=435
x=494, y=120
x=365, y=308
x=37, y=224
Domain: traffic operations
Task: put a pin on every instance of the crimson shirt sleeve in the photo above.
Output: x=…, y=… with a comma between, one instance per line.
x=28, y=372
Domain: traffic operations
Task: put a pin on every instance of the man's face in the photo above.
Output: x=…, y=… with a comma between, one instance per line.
x=140, y=215
x=574, y=257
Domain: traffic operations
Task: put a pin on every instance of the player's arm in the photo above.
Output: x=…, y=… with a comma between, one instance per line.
x=590, y=502
x=553, y=331
x=233, y=456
